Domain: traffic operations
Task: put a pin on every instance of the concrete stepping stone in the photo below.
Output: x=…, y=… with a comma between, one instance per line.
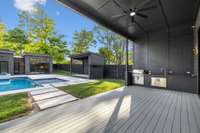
x=45, y=90
x=48, y=95
x=52, y=102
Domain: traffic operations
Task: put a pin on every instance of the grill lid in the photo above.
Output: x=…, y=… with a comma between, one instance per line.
x=138, y=71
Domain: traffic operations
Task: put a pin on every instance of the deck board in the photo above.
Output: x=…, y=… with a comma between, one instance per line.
x=131, y=110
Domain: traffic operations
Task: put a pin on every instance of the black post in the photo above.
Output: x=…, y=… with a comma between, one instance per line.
x=126, y=73
x=71, y=66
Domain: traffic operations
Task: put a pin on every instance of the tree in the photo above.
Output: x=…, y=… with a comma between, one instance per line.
x=40, y=29
x=113, y=43
x=104, y=36
x=18, y=38
x=82, y=41
x=58, y=48
x=2, y=34
x=107, y=53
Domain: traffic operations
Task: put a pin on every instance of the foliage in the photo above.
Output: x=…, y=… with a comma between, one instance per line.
x=12, y=105
x=83, y=40
x=93, y=88
x=113, y=45
x=18, y=38
x=107, y=53
x=2, y=35
x=35, y=34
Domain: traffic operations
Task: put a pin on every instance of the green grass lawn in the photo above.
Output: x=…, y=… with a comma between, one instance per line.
x=93, y=88
x=62, y=72
x=13, y=105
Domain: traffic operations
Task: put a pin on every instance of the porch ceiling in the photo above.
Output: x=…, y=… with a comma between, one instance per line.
x=169, y=13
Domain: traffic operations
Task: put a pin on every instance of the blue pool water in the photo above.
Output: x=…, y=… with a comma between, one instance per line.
x=49, y=80
x=17, y=84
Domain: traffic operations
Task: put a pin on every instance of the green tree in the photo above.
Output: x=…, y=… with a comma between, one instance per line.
x=82, y=41
x=113, y=43
x=4, y=43
x=18, y=38
x=107, y=53
x=104, y=36
x=2, y=35
x=58, y=48
x=41, y=32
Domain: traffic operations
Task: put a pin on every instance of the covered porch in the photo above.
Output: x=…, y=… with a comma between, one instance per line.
x=164, y=34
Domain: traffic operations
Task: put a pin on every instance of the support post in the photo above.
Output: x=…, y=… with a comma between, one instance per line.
x=126, y=73
x=71, y=66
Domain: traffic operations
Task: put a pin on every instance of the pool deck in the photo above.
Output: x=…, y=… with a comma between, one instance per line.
x=127, y=110
x=69, y=81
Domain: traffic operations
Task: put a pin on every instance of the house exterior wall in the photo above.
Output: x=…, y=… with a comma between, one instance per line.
x=96, y=68
x=27, y=59
x=8, y=57
x=196, y=45
x=170, y=51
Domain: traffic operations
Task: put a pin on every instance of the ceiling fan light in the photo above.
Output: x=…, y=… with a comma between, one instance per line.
x=132, y=14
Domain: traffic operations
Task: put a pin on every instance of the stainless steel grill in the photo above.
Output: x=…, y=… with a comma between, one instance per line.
x=138, y=76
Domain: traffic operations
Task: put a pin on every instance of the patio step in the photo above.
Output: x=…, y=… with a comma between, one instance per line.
x=42, y=91
x=52, y=102
x=50, y=97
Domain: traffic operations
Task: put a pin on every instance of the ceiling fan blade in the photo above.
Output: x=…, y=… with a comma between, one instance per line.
x=143, y=3
x=141, y=15
x=117, y=3
x=147, y=8
x=118, y=16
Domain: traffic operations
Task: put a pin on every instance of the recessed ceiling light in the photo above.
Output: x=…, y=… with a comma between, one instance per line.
x=132, y=14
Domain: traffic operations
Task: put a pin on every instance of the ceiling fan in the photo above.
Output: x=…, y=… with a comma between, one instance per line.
x=132, y=12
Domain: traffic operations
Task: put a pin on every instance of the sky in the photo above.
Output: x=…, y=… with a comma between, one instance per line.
x=67, y=21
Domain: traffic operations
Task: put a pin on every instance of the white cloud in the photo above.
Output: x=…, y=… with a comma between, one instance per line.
x=57, y=13
x=27, y=5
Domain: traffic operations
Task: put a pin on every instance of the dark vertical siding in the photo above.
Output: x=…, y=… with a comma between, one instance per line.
x=173, y=51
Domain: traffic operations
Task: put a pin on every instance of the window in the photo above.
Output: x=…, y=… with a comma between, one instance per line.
x=40, y=65
x=3, y=67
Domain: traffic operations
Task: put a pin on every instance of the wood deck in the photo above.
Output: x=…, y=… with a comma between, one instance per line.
x=130, y=110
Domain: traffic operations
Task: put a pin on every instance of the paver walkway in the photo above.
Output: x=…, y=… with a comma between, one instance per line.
x=50, y=97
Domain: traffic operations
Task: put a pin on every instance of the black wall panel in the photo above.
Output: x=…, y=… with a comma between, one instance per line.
x=171, y=51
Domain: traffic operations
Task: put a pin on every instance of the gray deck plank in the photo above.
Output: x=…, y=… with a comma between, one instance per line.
x=120, y=123
x=196, y=111
x=154, y=122
x=193, y=125
x=146, y=117
x=139, y=114
x=170, y=118
x=83, y=123
x=162, y=120
x=176, y=125
x=184, y=115
x=109, y=123
x=134, y=109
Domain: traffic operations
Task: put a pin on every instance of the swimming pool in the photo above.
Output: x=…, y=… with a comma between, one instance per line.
x=49, y=80
x=25, y=83
x=17, y=84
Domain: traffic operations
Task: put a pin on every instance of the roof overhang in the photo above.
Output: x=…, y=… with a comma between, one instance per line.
x=83, y=55
x=168, y=14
